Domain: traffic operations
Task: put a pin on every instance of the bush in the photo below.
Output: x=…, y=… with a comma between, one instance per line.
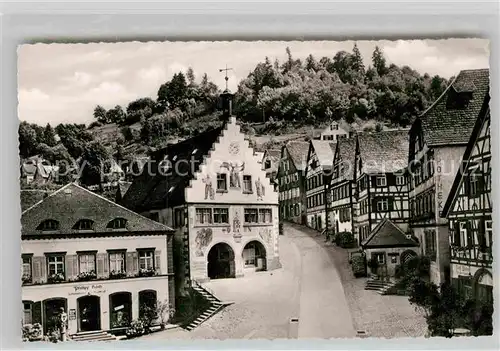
x=95, y=124
x=345, y=240
x=136, y=329
x=32, y=332
x=358, y=266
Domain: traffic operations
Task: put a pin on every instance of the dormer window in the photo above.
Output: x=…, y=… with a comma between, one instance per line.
x=194, y=151
x=48, y=225
x=117, y=223
x=267, y=164
x=84, y=224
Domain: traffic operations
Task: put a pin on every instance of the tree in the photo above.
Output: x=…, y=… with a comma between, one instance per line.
x=311, y=64
x=191, y=77
x=379, y=62
x=357, y=60
x=27, y=140
x=172, y=93
x=116, y=115
x=140, y=109
x=93, y=163
x=49, y=136
x=100, y=114
x=127, y=133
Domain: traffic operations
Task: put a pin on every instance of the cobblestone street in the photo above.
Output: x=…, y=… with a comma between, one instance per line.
x=316, y=286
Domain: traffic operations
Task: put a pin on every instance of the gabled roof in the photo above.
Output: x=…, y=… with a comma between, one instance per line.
x=324, y=151
x=274, y=154
x=346, y=149
x=384, y=152
x=483, y=116
x=443, y=124
x=72, y=203
x=154, y=188
x=387, y=234
x=298, y=153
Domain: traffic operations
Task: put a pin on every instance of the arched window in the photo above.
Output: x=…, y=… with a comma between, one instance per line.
x=117, y=223
x=48, y=224
x=84, y=224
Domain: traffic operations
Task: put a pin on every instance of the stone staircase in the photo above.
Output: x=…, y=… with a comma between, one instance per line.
x=98, y=335
x=215, y=306
x=380, y=286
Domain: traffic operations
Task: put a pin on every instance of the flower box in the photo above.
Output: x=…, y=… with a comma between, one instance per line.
x=117, y=275
x=26, y=279
x=86, y=276
x=146, y=272
x=56, y=278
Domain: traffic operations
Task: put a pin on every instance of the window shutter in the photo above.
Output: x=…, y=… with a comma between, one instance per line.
x=105, y=258
x=373, y=181
x=100, y=266
x=467, y=185
x=130, y=264
x=480, y=183
x=70, y=267
x=470, y=238
x=170, y=255
x=456, y=234
x=390, y=203
x=481, y=236
x=37, y=269
x=135, y=262
x=37, y=312
x=158, y=261
x=374, y=204
x=391, y=179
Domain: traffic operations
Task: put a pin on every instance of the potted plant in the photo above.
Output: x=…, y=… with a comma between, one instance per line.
x=26, y=279
x=117, y=274
x=136, y=329
x=86, y=276
x=55, y=278
x=146, y=272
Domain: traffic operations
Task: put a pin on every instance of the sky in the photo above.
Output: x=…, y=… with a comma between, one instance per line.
x=62, y=83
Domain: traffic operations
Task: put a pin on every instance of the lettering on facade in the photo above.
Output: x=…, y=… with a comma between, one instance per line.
x=72, y=314
x=462, y=270
x=92, y=289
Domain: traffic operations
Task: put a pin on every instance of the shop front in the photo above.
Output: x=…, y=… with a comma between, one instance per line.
x=90, y=306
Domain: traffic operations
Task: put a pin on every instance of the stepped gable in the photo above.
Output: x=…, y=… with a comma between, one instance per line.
x=156, y=186
x=72, y=203
x=451, y=118
x=387, y=234
x=298, y=153
x=384, y=152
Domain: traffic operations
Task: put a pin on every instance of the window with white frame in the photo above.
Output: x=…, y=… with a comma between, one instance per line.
x=55, y=264
x=203, y=215
x=463, y=234
x=381, y=180
x=27, y=313
x=265, y=215
x=221, y=181
x=382, y=205
x=251, y=215
x=27, y=274
x=380, y=257
x=400, y=180
x=86, y=262
x=146, y=259
x=117, y=261
x=221, y=215
x=488, y=232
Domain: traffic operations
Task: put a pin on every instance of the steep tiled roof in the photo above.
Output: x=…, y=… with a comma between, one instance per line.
x=298, y=153
x=155, y=188
x=384, y=152
x=324, y=151
x=445, y=124
x=483, y=117
x=346, y=149
x=387, y=234
x=72, y=203
x=29, y=197
x=274, y=154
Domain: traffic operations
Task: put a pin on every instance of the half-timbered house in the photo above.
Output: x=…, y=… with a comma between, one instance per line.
x=380, y=168
x=438, y=139
x=343, y=186
x=469, y=212
x=291, y=181
x=318, y=175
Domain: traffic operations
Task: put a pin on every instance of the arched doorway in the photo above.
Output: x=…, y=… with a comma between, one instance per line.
x=51, y=312
x=147, y=304
x=483, y=286
x=221, y=262
x=407, y=255
x=120, y=309
x=254, y=256
x=89, y=313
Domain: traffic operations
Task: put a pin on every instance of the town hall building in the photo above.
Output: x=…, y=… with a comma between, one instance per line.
x=213, y=191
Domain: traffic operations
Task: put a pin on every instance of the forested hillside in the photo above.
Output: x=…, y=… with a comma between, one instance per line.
x=279, y=94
